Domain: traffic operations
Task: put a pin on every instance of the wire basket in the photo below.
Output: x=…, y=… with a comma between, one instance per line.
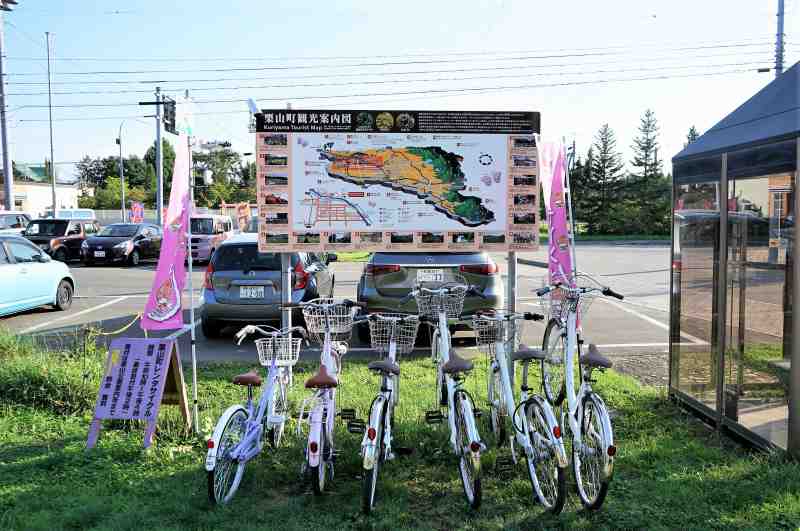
x=285, y=351
x=338, y=316
x=429, y=304
x=489, y=331
x=553, y=304
x=385, y=326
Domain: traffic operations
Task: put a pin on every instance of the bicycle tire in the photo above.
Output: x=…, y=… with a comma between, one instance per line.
x=370, y=482
x=280, y=406
x=548, y=480
x=591, y=499
x=470, y=478
x=220, y=489
x=319, y=473
x=553, y=378
x=497, y=423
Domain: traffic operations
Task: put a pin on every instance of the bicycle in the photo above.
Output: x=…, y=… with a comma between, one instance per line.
x=440, y=305
x=589, y=423
x=391, y=335
x=329, y=323
x=240, y=431
x=536, y=429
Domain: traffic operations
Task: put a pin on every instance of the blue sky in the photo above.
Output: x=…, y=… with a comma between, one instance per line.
x=341, y=49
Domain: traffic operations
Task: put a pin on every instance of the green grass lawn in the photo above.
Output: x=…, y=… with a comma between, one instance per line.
x=671, y=472
x=356, y=256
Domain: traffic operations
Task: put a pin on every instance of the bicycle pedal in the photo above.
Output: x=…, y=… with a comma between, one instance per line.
x=434, y=417
x=504, y=465
x=347, y=414
x=477, y=413
x=356, y=426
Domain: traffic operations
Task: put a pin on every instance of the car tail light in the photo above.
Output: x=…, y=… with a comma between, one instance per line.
x=300, y=276
x=313, y=447
x=208, y=282
x=55, y=242
x=480, y=269
x=676, y=265
x=475, y=447
x=382, y=269
x=371, y=434
x=210, y=444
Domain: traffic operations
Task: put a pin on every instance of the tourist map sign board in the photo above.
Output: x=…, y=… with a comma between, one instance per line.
x=140, y=375
x=396, y=180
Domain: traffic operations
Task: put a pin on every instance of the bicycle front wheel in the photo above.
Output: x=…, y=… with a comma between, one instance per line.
x=370, y=482
x=227, y=474
x=280, y=407
x=497, y=412
x=468, y=464
x=594, y=462
x=549, y=481
x=555, y=345
x=319, y=473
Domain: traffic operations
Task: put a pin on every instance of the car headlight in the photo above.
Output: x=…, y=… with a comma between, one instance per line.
x=85, y=244
x=126, y=246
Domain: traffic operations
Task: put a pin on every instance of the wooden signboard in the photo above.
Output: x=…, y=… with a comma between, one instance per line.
x=140, y=375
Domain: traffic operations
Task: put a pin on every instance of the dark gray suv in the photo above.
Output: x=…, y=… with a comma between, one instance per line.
x=244, y=286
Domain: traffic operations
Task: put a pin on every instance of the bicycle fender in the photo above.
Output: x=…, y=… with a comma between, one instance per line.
x=315, y=435
x=370, y=448
x=557, y=442
x=472, y=432
x=608, y=464
x=211, y=456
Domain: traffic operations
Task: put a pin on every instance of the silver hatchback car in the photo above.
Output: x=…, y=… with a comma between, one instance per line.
x=389, y=277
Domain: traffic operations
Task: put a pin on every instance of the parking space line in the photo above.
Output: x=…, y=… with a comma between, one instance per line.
x=64, y=318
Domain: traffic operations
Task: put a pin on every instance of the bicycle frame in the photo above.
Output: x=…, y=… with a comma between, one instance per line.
x=387, y=397
x=325, y=402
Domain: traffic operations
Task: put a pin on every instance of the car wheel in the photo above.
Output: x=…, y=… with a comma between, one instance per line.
x=133, y=259
x=211, y=328
x=64, y=295
x=60, y=254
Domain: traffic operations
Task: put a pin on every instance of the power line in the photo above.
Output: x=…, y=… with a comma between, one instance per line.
x=395, y=81
x=346, y=65
x=434, y=92
x=381, y=74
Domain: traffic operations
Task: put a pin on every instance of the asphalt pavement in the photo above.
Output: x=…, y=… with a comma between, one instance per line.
x=109, y=298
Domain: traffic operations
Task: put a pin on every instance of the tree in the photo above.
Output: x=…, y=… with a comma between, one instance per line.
x=691, y=136
x=646, y=205
x=604, y=183
x=168, y=156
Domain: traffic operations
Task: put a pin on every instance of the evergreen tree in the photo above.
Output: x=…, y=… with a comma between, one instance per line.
x=607, y=181
x=691, y=136
x=646, y=207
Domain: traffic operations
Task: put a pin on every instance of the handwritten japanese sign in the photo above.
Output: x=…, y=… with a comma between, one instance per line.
x=140, y=375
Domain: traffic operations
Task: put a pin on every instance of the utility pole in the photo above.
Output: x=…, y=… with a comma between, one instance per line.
x=779, y=41
x=50, y=112
x=8, y=171
x=121, y=171
x=159, y=161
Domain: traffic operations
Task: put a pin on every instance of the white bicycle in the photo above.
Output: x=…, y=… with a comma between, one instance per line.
x=329, y=322
x=240, y=431
x=586, y=414
x=441, y=304
x=391, y=335
x=536, y=429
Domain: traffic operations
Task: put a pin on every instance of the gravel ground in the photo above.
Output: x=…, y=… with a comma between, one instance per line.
x=650, y=368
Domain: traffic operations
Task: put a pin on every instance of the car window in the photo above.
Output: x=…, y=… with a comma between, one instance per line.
x=47, y=227
x=118, y=231
x=22, y=252
x=202, y=225
x=89, y=228
x=247, y=257
x=74, y=228
x=3, y=256
x=23, y=221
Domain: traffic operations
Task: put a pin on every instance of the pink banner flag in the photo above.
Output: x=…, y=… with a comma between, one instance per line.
x=163, y=308
x=552, y=167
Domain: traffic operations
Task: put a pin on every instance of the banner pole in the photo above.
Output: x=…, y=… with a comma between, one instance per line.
x=568, y=164
x=191, y=281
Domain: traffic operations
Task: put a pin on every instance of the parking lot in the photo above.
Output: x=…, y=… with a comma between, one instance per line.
x=109, y=298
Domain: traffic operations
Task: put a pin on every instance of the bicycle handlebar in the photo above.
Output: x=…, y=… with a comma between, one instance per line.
x=608, y=292
x=345, y=302
x=501, y=315
x=251, y=329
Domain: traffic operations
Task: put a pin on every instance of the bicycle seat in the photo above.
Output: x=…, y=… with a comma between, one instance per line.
x=385, y=366
x=593, y=358
x=248, y=378
x=526, y=353
x=456, y=364
x=321, y=380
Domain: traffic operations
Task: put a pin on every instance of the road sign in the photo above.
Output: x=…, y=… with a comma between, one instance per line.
x=396, y=180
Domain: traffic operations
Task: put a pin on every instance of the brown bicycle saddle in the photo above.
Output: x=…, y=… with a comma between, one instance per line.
x=247, y=378
x=321, y=380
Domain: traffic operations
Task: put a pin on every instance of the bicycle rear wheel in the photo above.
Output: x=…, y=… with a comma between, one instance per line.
x=370, y=481
x=593, y=474
x=554, y=344
x=497, y=413
x=549, y=481
x=319, y=473
x=280, y=406
x=227, y=474
x=468, y=469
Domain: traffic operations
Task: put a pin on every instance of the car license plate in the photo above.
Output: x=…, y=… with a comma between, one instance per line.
x=99, y=254
x=430, y=275
x=251, y=292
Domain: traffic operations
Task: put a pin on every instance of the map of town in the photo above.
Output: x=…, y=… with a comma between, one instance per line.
x=429, y=173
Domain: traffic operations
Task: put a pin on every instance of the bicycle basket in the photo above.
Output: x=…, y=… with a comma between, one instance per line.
x=285, y=350
x=553, y=304
x=429, y=304
x=488, y=332
x=338, y=316
x=382, y=329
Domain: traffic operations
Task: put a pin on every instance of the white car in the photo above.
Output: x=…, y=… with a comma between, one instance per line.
x=13, y=222
x=30, y=278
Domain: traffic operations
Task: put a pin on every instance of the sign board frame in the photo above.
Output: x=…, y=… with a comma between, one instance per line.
x=363, y=201
x=140, y=375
